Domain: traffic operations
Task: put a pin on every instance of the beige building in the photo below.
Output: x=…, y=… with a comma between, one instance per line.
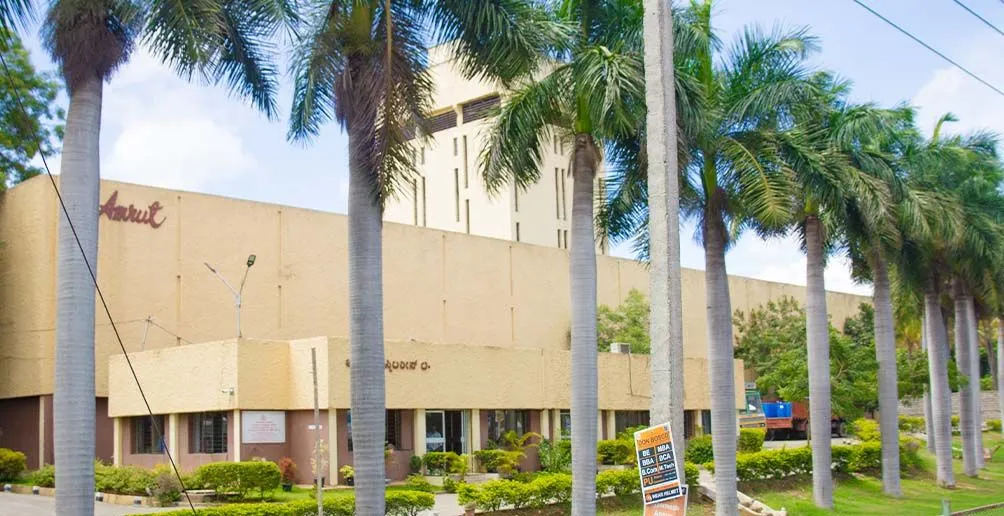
x=448, y=193
x=477, y=331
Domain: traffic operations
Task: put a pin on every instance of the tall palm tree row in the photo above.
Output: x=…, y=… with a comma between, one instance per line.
x=364, y=64
x=89, y=40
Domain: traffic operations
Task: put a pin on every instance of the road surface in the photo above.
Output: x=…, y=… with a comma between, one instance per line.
x=32, y=505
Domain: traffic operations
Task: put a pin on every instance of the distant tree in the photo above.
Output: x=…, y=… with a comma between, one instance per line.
x=627, y=323
x=40, y=123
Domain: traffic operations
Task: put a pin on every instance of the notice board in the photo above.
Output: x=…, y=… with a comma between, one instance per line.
x=660, y=481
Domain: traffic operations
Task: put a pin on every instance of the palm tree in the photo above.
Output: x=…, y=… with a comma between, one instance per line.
x=89, y=40
x=592, y=93
x=15, y=13
x=835, y=156
x=364, y=63
x=664, y=230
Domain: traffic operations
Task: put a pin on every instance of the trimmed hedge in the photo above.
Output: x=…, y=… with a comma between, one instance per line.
x=618, y=482
x=504, y=462
x=789, y=462
x=692, y=474
x=615, y=452
x=399, y=503
x=238, y=478
x=699, y=449
x=867, y=430
x=751, y=440
x=911, y=424
x=43, y=477
x=12, y=464
x=126, y=480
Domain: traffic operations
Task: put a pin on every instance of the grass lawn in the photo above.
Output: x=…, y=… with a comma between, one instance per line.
x=863, y=495
x=301, y=493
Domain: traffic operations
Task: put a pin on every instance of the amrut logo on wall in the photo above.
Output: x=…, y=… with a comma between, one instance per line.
x=130, y=213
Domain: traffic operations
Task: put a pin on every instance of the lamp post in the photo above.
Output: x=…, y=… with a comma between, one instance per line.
x=238, y=292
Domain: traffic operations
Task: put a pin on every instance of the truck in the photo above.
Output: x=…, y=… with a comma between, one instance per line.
x=752, y=415
x=790, y=420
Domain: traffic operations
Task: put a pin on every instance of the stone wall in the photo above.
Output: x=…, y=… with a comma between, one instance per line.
x=991, y=409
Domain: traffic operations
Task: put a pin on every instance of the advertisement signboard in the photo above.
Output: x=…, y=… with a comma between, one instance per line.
x=660, y=480
x=263, y=426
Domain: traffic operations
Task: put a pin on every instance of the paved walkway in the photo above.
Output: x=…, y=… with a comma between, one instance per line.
x=29, y=505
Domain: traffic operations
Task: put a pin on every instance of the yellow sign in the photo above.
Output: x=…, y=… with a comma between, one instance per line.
x=660, y=481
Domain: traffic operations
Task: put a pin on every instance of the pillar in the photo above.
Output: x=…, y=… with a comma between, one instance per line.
x=41, y=431
x=600, y=434
x=475, y=430
x=419, y=431
x=117, y=441
x=556, y=423
x=332, y=446
x=545, y=423
x=237, y=435
x=173, y=444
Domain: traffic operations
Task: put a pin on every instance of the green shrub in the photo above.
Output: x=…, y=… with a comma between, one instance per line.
x=43, y=477
x=615, y=451
x=867, y=458
x=193, y=480
x=789, y=462
x=987, y=384
x=550, y=488
x=504, y=462
x=237, y=478
x=555, y=457
x=408, y=503
x=165, y=487
x=955, y=421
x=415, y=463
x=618, y=482
x=125, y=480
x=450, y=485
x=751, y=440
x=867, y=430
x=699, y=449
x=542, y=490
x=909, y=453
x=693, y=474
x=994, y=425
x=12, y=464
x=419, y=483
x=911, y=424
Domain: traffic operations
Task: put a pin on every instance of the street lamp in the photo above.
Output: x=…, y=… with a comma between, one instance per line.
x=237, y=292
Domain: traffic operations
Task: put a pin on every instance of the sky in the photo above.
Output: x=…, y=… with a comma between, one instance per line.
x=160, y=130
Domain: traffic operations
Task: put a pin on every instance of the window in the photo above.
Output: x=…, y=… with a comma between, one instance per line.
x=624, y=419
x=515, y=197
x=414, y=197
x=424, y=219
x=565, y=420
x=392, y=431
x=561, y=147
x=422, y=156
x=442, y=121
x=564, y=202
x=454, y=146
x=555, y=144
x=466, y=179
x=517, y=231
x=566, y=238
x=145, y=436
x=207, y=432
x=456, y=191
x=706, y=421
x=467, y=214
x=478, y=109
x=557, y=195
x=501, y=422
x=559, y=239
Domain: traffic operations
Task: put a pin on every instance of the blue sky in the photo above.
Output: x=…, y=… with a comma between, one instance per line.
x=160, y=130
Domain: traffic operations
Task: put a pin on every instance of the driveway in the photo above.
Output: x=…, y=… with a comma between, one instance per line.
x=31, y=505
x=835, y=441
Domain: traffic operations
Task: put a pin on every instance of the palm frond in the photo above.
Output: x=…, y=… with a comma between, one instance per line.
x=318, y=67
x=89, y=38
x=612, y=88
x=16, y=14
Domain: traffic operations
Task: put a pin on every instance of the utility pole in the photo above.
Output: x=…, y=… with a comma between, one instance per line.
x=317, y=435
x=238, y=293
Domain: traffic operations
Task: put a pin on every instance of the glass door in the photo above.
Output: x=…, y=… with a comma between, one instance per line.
x=435, y=431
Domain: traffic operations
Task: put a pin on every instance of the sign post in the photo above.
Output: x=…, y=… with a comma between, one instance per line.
x=660, y=481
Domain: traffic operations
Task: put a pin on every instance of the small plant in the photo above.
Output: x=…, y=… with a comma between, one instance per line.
x=867, y=430
x=751, y=440
x=419, y=483
x=348, y=473
x=911, y=424
x=994, y=425
x=699, y=449
x=450, y=485
x=12, y=464
x=415, y=464
x=318, y=469
x=615, y=451
x=554, y=457
x=166, y=487
x=43, y=477
x=287, y=468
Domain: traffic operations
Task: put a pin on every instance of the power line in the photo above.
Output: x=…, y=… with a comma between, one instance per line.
x=94, y=279
x=982, y=19
x=932, y=49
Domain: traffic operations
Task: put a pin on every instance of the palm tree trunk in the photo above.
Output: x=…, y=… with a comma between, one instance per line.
x=963, y=364
x=974, y=385
x=941, y=395
x=366, y=332
x=73, y=399
x=1000, y=368
x=665, y=289
x=928, y=416
x=885, y=352
x=582, y=255
x=720, y=358
x=818, y=340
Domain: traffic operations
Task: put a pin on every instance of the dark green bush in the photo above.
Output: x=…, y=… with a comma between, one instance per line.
x=415, y=463
x=126, y=480
x=399, y=503
x=994, y=425
x=555, y=457
x=751, y=440
x=618, y=482
x=419, y=483
x=692, y=474
x=789, y=462
x=504, y=462
x=699, y=449
x=43, y=477
x=238, y=478
x=12, y=464
x=615, y=451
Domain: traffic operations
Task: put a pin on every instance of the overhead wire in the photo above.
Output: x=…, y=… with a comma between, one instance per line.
x=982, y=19
x=94, y=279
x=929, y=47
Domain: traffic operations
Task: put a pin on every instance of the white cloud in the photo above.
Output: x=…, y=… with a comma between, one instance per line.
x=163, y=131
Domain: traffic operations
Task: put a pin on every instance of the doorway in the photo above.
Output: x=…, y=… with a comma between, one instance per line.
x=446, y=430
